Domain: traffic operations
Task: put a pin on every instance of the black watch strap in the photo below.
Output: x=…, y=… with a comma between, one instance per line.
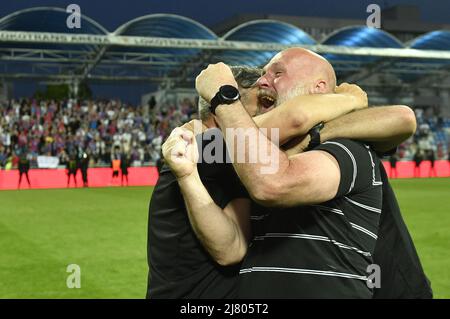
x=227, y=94
x=215, y=102
x=314, y=133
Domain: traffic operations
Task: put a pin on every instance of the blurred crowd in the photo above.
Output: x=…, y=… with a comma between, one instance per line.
x=431, y=140
x=66, y=129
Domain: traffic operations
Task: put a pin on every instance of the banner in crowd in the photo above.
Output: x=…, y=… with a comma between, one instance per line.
x=47, y=161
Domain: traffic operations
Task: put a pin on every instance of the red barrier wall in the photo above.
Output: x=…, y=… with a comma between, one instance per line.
x=97, y=177
x=147, y=176
x=406, y=169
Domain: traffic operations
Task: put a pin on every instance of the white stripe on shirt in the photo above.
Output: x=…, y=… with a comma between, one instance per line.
x=312, y=237
x=374, y=182
x=362, y=229
x=355, y=169
x=302, y=271
x=330, y=209
x=369, y=208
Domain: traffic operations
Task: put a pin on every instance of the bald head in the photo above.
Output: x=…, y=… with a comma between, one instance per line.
x=296, y=71
x=312, y=65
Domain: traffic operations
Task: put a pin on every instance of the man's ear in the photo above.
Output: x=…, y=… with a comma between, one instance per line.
x=321, y=87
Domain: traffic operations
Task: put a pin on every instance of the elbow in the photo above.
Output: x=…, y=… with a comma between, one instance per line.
x=261, y=193
x=232, y=257
x=266, y=194
x=408, y=120
x=282, y=191
x=299, y=123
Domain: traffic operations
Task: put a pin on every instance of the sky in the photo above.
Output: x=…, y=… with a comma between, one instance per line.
x=111, y=14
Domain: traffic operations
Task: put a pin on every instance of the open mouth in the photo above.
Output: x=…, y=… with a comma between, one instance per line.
x=266, y=101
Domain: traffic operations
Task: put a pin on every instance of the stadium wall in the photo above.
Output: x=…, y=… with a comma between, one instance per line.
x=57, y=178
x=405, y=169
x=148, y=176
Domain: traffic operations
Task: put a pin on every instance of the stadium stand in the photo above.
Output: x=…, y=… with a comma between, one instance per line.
x=433, y=134
x=64, y=128
x=167, y=51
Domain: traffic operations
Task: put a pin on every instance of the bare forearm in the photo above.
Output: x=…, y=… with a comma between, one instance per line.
x=216, y=231
x=384, y=127
x=253, y=171
x=298, y=115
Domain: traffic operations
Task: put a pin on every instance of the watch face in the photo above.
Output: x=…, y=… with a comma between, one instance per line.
x=229, y=92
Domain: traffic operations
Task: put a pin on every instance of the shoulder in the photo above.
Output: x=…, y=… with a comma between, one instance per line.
x=358, y=164
x=344, y=144
x=354, y=149
x=346, y=150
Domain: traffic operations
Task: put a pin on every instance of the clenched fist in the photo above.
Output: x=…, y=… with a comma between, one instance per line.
x=212, y=78
x=180, y=152
x=356, y=92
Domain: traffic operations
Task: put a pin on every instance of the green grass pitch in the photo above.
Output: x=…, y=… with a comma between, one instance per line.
x=104, y=231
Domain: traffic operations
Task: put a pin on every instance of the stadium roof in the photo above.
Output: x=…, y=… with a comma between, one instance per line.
x=171, y=49
x=47, y=19
x=262, y=31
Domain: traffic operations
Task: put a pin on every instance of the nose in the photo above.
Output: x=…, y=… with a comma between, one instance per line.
x=263, y=82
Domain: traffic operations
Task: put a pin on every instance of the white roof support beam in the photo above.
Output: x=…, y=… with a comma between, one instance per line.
x=219, y=44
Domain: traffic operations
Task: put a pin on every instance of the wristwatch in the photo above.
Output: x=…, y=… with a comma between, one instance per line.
x=227, y=94
x=314, y=134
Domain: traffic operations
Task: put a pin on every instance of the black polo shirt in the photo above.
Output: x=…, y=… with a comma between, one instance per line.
x=402, y=275
x=179, y=266
x=319, y=251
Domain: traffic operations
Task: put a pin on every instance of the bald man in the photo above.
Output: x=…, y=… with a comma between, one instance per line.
x=211, y=223
x=395, y=254
x=317, y=238
x=304, y=72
